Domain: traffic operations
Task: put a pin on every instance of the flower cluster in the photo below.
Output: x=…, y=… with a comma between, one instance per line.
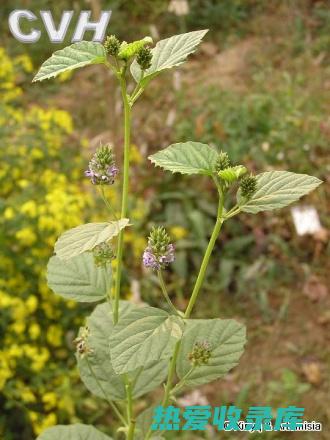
x=223, y=161
x=159, y=252
x=144, y=57
x=103, y=254
x=102, y=169
x=112, y=45
x=200, y=354
x=81, y=342
x=248, y=186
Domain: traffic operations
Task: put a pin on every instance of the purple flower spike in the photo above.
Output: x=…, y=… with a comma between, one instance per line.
x=160, y=252
x=102, y=169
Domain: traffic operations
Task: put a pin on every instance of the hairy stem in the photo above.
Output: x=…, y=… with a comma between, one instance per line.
x=164, y=291
x=131, y=420
x=124, y=203
x=202, y=270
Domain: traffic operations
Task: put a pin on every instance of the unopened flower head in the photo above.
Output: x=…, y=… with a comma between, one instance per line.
x=81, y=342
x=248, y=186
x=159, y=252
x=223, y=161
x=102, y=169
x=112, y=45
x=201, y=353
x=144, y=57
x=103, y=254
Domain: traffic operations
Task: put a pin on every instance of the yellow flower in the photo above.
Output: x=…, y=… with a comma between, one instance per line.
x=34, y=331
x=26, y=236
x=54, y=335
x=32, y=303
x=29, y=208
x=50, y=400
x=9, y=213
x=178, y=232
x=46, y=422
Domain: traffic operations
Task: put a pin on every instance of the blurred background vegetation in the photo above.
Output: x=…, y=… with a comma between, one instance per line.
x=259, y=88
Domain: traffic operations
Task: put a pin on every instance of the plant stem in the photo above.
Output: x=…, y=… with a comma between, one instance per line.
x=170, y=376
x=205, y=262
x=112, y=404
x=164, y=290
x=106, y=202
x=131, y=420
x=124, y=204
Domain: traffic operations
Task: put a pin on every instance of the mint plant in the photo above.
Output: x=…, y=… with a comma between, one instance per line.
x=125, y=351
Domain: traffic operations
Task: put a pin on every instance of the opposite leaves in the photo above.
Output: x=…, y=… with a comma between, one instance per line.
x=168, y=53
x=187, y=158
x=226, y=339
x=143, y=336
x=85, y=237
x=73, y=432
x=78, y=278
x=276, y=189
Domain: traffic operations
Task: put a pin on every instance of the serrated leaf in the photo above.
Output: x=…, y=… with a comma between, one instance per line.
x=143, y=336
x=85, y=237
x=276, y=189
x=186, y=158
x=103, y=380
x=71, y=57
x=226, y=338
x=169, y=53
x=78, y=278
x=73, y=432
x=231, y=174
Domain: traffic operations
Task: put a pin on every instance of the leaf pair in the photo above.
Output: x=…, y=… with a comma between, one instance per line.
x=167, y=53
x=275, y=189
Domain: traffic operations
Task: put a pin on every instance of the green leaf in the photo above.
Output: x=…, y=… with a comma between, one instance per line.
x=71, y=57
x=85, y=237
x=276, y=189
x=143, y=336
x=186, y=158
x=231, y=174
x=78, y=278
x=143, y=424
x=227, y=339
x=168, y=53
x=128, y=50
x=96, y=370
x=73, y=432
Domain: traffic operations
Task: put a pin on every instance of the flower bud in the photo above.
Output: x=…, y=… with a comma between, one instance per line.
x=200, y=354
x=248, y=186
x=103, y=254
x=223, y=161
x=102, y=169
x=144, y=57
x=160, y=252
x=112, y=45
x=81, y=342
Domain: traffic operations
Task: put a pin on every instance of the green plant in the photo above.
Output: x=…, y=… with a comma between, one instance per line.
x=125, y=350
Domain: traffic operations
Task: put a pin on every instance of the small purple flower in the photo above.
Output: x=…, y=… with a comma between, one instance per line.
x=102, y=169
x=159, y=252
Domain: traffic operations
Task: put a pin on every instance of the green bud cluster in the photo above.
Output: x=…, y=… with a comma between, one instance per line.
x=104, y=155
x=144, y=57
x=81, y=342
x=112, y=45
x=200, y=354
x=103, y=254
x=248, y=186
x=223, y=161
x=158, y=240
